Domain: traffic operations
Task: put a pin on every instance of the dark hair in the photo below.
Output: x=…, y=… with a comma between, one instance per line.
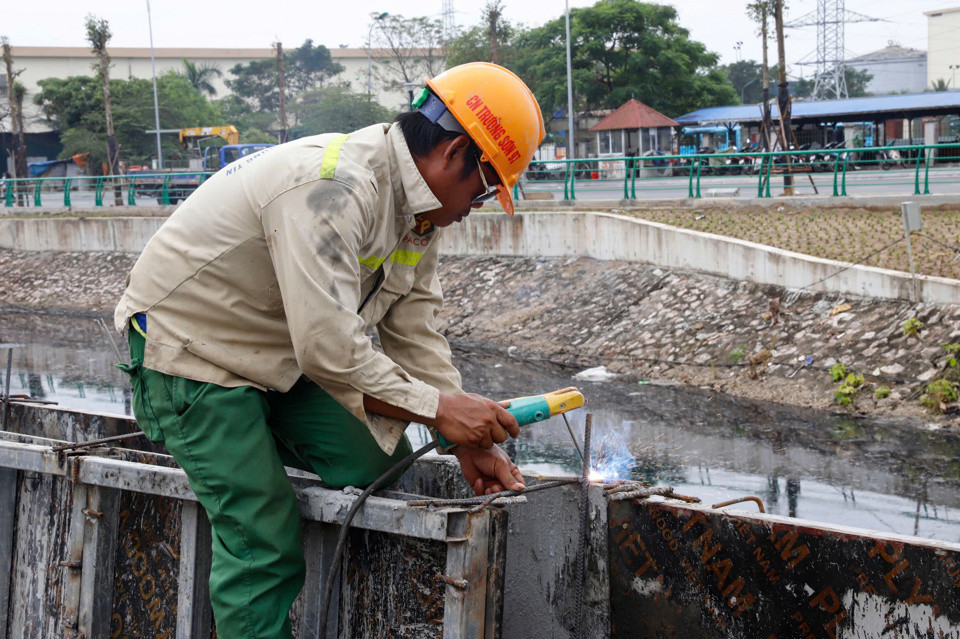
x=423, y=136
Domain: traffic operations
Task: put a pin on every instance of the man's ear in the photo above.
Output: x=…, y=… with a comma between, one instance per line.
x=454, y=149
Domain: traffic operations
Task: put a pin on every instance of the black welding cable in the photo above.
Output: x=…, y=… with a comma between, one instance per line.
x=345, y=527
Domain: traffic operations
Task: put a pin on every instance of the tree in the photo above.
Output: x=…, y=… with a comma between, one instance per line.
x=621, y=49
x=746, y=78
x=415, y=48
x=306, y=67
x=759, y=11
x=76, y=106
x=201, y=76
x=939, y=85
x=15, y=94
x=475, y=44
x=253, y=125
x=336, y=109
x=98, y=35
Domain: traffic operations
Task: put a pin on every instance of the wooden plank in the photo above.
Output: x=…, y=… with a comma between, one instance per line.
x=30, y=457
x=194, y=612
x=99, y=555
x=43, y=516
x=464, y=613
x=8, y=522
x=496, y=574
x=72, y=563
x=319, y=543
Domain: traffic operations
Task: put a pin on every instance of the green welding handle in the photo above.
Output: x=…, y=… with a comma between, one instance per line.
x=527, y=410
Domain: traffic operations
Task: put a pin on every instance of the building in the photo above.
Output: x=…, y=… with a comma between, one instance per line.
x=919, y=118
x=633, y=129
x=943, y=46
x=895, y=69
x=129, y=62
x=38, y=63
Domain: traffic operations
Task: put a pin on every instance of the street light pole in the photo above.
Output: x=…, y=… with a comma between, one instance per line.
x=743, y=90
x=369, y=55
x=570, y=132
x=156, y=107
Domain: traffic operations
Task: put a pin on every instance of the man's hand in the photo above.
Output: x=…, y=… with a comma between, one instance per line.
x=474, y=421
x=488, y=470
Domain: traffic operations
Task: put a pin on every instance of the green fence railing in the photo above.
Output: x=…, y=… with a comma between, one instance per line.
x=911, y=169
x=137, y=189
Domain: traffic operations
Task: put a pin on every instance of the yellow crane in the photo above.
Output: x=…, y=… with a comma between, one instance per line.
x=228, y=133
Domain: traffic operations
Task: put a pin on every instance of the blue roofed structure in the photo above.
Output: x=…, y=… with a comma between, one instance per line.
x=866, y=109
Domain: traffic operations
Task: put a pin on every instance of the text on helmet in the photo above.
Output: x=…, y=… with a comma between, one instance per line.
x=491, y=121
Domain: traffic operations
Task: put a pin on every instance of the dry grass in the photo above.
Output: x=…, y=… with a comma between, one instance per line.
x=847, y=235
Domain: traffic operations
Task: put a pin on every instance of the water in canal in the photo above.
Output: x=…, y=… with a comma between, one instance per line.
x=871, y=474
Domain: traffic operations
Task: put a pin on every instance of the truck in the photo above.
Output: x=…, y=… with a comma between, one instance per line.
x=174, y=185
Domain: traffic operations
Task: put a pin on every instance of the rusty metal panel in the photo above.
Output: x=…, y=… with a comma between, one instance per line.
x=401, y=578
x=145, y=590
x=684, y=570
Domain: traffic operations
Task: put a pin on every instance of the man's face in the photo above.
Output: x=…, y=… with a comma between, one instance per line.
x=443, y=171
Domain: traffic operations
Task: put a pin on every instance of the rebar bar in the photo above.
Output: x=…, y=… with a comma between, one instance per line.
x=6, y=389
x=472, y=501
x=584, y=523
x=96, y=442
x=643, y=493
x=573, y=437
x=110, y=339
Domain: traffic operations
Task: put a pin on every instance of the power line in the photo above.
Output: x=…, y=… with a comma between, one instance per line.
x=857, y=263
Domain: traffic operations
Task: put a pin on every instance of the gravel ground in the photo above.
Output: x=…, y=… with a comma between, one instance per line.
x=639, y=321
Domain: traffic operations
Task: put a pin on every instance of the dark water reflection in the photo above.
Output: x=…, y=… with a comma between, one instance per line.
x=874, y=474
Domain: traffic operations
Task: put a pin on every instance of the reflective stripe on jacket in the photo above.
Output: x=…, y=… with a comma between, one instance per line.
x=278, y=264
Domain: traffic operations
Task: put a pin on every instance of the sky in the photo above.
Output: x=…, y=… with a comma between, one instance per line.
x=720, y=24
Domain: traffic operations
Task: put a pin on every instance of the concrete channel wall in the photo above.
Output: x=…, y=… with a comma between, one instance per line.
x=607, y=236
x=599, y=235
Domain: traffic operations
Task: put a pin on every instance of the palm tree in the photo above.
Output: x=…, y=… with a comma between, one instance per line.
x=940, y=85
x=200, y=76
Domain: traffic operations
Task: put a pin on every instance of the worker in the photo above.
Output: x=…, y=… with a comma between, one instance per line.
x=248, y=314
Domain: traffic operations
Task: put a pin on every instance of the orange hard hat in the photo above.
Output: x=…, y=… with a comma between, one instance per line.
x=499, y=113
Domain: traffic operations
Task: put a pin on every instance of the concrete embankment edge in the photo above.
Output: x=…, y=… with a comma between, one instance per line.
x=599, y=235
x=608, y=236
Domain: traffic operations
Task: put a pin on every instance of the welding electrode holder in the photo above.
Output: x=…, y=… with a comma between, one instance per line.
x=536, y=408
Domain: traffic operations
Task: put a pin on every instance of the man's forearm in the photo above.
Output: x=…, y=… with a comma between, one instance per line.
x=380, y=407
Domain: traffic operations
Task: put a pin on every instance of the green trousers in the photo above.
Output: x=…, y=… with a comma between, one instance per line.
x=233, y=444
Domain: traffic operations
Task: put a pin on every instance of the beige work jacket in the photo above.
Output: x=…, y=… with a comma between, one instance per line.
x=277, y=266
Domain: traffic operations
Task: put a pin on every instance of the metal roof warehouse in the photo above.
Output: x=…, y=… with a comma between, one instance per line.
x=867, y=109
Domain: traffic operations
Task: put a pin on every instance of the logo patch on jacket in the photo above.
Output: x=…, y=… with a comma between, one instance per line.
x=423, y=227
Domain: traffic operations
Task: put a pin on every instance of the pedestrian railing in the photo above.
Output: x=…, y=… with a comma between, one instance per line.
x=135, y=189
x=907, y=169
x=817, y=171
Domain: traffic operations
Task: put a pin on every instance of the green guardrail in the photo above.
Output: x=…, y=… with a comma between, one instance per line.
x=692, y=173
x=160, y=188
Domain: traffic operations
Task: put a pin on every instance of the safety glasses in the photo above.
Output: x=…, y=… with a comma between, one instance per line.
x=489, y=192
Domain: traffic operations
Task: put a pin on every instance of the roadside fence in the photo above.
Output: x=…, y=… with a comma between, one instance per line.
x=903, y=169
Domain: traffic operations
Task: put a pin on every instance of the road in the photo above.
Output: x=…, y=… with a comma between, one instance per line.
x=943, y=180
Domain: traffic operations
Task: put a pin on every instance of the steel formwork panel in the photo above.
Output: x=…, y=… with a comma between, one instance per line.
x=675, y=568
x=118, y=546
